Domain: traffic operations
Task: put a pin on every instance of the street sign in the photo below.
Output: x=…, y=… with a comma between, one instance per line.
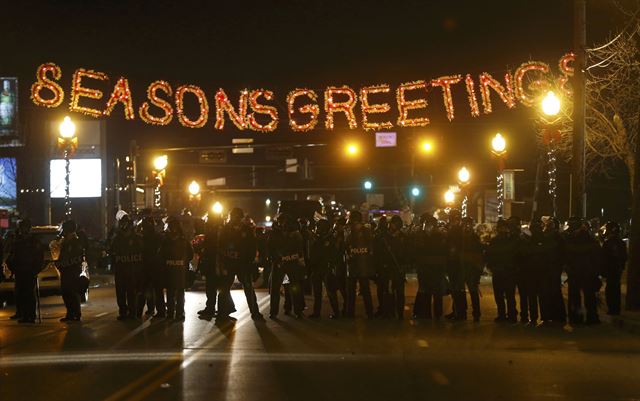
x=386, y=140
x=217, y=182
x=218, y=156
x=509, y=185
x=278, y=152
x=291, y=165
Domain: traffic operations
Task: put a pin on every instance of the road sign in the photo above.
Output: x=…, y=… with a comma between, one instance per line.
x=386, y=140
x=218, y=156
x=217, y=182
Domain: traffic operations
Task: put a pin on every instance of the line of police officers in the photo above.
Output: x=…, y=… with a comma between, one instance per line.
x=152, y=268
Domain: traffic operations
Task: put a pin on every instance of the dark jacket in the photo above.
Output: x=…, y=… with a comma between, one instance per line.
x=71, y=256
x=359, y=252
x=501, y=254
x=127, y=253
x=582, y=257
x=237, y=248
x=323, y=254
x=286, y=251
x=175, y=255
x=26, y=256
x=614, y=256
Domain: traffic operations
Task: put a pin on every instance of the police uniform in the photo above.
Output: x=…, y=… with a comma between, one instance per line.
x=25, y=261
x=151, y=284
x=614, y=258
x=286, y=250
x=471, y=258
x=127, y=258
x=175, y=255
x=360, y=266
x=501, y=260
x=324, y=256
x=391, y=254
x=70, y=266
x=237, y=252
x=538, y=266
x=430, y=256
x=583, y=266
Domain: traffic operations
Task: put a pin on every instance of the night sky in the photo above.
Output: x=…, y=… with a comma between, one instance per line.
x=281, y=45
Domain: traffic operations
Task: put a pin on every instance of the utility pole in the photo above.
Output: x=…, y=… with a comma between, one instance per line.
x=579, y=200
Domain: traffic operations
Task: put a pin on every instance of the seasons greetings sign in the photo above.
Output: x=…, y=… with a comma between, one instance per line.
x=255, y=109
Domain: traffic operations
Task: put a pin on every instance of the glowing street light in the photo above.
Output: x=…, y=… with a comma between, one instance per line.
x=415, y=191
x=352, y=150
x=67, y=128
x=551, y=104
x=449, y=197
x=267, y=219
x=217, y=208
x=267, y=203
x=368, y=185
x=426, y=147
x=194, y=188
x=498, y=145
x=464, y=176
x=68, y=143
x=160, y=162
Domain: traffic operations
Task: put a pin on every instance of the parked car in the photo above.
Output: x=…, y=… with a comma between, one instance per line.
x=48, y=278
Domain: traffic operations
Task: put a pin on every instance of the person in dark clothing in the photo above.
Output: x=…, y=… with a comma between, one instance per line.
x=515, y=230
x=214, y=279
x=614, y=258
x=455, y=267
x=70, y=266
x=237, y=254
x=557, y=311
x=25, y=260
x=380, y=231
x=151, y=269
x=501, y=261
x=360, y=266
x=175, y=254
x=323, y=256
x=537, y=267
x=391, y=254
x=338, y=232
x=471, y=254
x=286, y=249
x=126, y=253
x=430, y=256
x=583, y=267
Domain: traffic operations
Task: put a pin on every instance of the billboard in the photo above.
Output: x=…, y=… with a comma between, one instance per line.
x=8, y=188
x=9, y=135
x=85, y=178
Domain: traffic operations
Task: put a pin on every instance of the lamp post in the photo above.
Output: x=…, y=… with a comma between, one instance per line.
x=499, y=150
x=159, y=165
x=68, y=142
x=551, y=135
x=464, y=178
x=449, y=197
x=194, y=193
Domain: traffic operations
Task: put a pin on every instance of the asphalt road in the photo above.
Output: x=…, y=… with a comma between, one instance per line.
x=287, y=359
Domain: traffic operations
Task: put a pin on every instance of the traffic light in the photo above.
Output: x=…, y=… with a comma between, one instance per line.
x=129, y=170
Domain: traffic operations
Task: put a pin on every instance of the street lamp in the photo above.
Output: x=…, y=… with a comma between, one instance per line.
x=499, y=150
x=68, y=142
x=415, y=192
x=551, y=136
x=368, y=185
x=464, y=178
x=426, y=147
x=217, y=208
x=352, y=150
x=449, y=197
x=194, y=188
x=160, y=164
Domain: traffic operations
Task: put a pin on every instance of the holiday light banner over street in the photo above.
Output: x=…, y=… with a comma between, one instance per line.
x=255, y=109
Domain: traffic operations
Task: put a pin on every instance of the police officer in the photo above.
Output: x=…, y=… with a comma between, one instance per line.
x=151, y=271
x=472, y=266
x=70, y=266
x=552, y=288
x=175, y=255
x=538, y=264
x=521, y=239
x=237, y=250
x=360, y=267
x=614, y=258
x=430, y=256
x=380, y=230
x=286, y=249
x=455, y=268
x=323, y=255
x=26, y=260
x=501, y=260
x=582, y=265
x=126, y=254
x=391, y=252
x=338, y=232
